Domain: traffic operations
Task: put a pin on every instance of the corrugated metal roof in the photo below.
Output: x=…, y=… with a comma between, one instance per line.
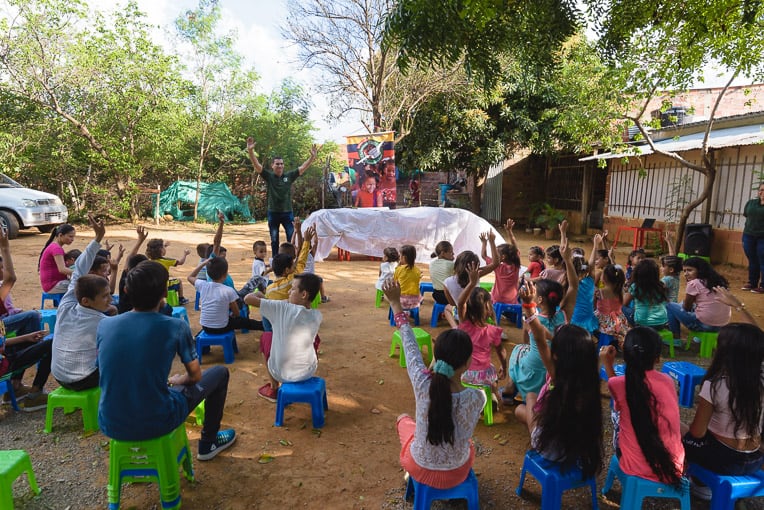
x=728, y=137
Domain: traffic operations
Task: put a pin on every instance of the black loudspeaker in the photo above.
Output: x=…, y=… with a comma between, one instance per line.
x=697, y=239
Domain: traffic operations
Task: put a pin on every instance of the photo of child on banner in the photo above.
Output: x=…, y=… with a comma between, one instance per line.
x=372, y=158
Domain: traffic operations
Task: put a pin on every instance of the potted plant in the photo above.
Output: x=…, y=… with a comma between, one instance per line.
x=549, y=218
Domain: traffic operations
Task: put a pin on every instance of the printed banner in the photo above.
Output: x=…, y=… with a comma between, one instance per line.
x=371, y=165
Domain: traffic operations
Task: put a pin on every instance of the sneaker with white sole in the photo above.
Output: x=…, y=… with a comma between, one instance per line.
x=34, y=402
x=224, y=439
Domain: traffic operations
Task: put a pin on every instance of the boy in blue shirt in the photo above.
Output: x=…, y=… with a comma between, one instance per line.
x=135, y=354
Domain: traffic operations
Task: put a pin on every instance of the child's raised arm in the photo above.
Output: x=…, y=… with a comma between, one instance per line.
x=668, y=236
x=142, y=235
x=114, y=265
x=297, y=238
x=483, y=246
x=540, y=333
x=569, y=299
x=218, y=236
x=474, y=273
x=193, y=276
x=495, y=260
x=509, y=226
x=302, y=258
x=596, y=241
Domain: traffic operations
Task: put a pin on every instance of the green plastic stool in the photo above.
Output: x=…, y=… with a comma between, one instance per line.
x=708, y=341
x=172, y=298
x=423, y=338
x=488, y=409
x=153, y=460
x=199, y=413
x=316, y=300
x=13, y=463
x=668, y=338
x=378, y=301
x=87, y=400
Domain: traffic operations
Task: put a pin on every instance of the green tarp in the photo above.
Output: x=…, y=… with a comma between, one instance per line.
x=178, y=201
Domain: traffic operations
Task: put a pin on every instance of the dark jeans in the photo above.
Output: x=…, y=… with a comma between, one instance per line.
x=213, y=387
x=236, y=323
x=29, y=353
x=711, y=454
x=754, y=251
x=275, y=220
x=90, y=381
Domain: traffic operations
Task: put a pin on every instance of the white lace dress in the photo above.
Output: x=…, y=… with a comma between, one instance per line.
x=467, y=406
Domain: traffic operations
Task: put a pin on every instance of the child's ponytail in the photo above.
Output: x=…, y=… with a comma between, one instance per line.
x=452, y=350
x=640, y=352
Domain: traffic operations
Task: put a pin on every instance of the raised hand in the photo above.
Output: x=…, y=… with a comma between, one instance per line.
x=250, y=143
x=510, y=224
x=314, y=150
x=221, y=217
x=607, y=355
x=491, y=235
x=483, y=237
x=186, y=252
x=528, y=292
x=142, y=233
x=4, y=237
x=107, y=246
x=98, y=227
x=473, y=270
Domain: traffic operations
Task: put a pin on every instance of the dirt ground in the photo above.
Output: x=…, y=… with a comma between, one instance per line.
x=351, y=463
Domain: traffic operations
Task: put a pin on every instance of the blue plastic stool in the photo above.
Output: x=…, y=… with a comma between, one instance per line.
x=437, y=309
x=553, y=482
x=688, y=376
x=605, y=340
x=115, y=299
x=515, y=309
x=425, y=287
x=312, y=391
x=244, y=312
x=414, y=312
x=7, y=387
x=424, y=495
x=634, y=489
x=619, y=369
x=196, y=301
x=726, y=489
x=48, y=317
x=227, y=340
x=55, y=298
x=179, y=312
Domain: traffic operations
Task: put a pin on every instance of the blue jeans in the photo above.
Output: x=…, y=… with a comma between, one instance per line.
x=678, y=315
x=275, y=220
x=22, y=323
x=213, y=387
x=754, y=251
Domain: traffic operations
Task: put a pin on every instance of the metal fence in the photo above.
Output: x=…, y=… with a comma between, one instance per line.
x=660, y=188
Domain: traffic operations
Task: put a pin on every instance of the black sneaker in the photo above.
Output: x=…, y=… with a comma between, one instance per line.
x=183, y=301
x=224, y=439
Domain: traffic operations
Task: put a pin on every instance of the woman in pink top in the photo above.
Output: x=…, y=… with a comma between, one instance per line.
x=647, y=431
x=507, y=273
x=700, y=311
x=53, y=272
x=474, y=310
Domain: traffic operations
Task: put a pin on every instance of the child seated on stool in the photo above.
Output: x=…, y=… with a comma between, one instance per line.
x=291, y=355
x=139, y=398
x=81, y=310
x=156, y=249
x=219, y=306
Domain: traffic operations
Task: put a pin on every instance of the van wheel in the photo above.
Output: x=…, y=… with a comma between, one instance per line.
x=46, y=229
x=9, y=221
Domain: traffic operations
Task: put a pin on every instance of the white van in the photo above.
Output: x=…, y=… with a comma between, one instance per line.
x=22, y=207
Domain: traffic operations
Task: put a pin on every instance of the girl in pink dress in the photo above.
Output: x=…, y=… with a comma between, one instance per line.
x=507, y=273
x=608, y=302
x=54, y=275
x=475, y=308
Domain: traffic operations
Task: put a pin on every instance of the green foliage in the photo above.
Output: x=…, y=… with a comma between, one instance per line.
x=441, y=32
x=549, y=217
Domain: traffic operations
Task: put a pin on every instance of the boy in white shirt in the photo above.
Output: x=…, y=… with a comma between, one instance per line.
x=258, y=280
x=291, y=355
x=218, y=302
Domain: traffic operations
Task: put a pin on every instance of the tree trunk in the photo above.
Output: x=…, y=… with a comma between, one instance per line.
x=710, y=175
x=476, y=198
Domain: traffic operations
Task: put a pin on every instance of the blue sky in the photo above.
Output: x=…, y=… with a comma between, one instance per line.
x=258, y=25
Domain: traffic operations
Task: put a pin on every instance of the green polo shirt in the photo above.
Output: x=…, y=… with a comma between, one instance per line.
x=754, y=218
x=279, y=190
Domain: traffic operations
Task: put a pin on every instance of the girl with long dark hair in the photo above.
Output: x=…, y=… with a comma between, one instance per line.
x=435, y=446
x=647, y=430
x=53, y=272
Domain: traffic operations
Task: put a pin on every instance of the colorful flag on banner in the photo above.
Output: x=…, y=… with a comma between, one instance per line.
x=371, y=158
x=370, y=149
